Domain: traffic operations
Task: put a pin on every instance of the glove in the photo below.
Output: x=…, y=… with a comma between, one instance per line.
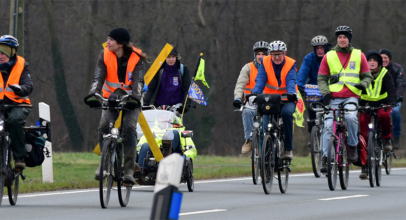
x=327, y=99
x=145, y=89
x=359, y=86
x=292, y=97
x=400, y=99
x=92, y=101
x=16, y=88
x=132, y=103
x=237, y=103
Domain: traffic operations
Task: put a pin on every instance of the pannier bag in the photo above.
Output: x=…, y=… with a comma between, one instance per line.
x=35, y=145
x=269, y=104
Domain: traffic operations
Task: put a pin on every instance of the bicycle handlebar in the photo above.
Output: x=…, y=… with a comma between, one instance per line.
x=370, y=108
x=7, y=106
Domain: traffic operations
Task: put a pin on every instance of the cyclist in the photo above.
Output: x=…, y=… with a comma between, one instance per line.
x=160, y=129
x=309, y=70
x=244, y=86
x=277, y=75
x=15, y=87
x=396, y=71
x=170, y=85
x=120, y=65
x=380, y=91
x=343, y=73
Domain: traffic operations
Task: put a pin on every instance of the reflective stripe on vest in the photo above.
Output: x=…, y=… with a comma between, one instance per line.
x=272, y=86
x=348, y=76
x=374, y=94
x=14, y=78
x=251, y=82
x=111, y=82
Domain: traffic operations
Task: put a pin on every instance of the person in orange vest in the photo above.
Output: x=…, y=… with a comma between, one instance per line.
x=244, y=86
x=15, y=88
x=277, y=74
x=120, y=65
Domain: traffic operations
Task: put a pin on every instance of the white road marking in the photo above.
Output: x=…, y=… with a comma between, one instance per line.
x=203, y=212
x=343, y=197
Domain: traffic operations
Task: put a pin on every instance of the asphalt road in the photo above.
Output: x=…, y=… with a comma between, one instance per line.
x=306, y=198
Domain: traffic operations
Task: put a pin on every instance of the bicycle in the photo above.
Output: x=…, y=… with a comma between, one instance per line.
x=112, y=154
x=9, y=176
x=337, y=147
x=272, y=147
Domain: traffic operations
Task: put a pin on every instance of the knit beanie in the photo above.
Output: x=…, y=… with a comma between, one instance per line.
x=265, y=51
x=348, y=35
x=174, y=52
x=386, y=52
x=121, y=35
x=374, y=55
x=9, y=51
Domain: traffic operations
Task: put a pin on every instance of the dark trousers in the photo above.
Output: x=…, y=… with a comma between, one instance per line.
x=15, y=125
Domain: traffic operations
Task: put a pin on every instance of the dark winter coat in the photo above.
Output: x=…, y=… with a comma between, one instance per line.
x=396, y=71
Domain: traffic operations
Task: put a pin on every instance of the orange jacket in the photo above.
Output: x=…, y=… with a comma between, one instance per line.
x=272, y=86
x=14, y=78
x=251, y=82
x=112, y=83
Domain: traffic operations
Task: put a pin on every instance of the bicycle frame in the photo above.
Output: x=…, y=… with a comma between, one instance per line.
x=339, y=133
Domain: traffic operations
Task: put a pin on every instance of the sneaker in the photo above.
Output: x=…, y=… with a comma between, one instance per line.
x=129, y=180
x=97, y=174
x=19, y=164
x=388, y=145
x=323, y=168
x=363, y=175
x=352, y=154
x=246, y=147
x=396, y=143
x=288, y=154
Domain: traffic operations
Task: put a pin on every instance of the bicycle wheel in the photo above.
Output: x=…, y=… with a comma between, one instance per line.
x=316, y=151
x=388, y=162
x=283, y=172
x=332, y=163
x=2, y=177
x=13, y=186
x=344, y=169
x=106, y=177
x=378, y=167
x=266, y=164
x=371, y=159
x=255, y=157
x=124, y=192
x=190, y=181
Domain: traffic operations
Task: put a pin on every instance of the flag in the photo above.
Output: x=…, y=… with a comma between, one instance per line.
x=196, y=94
x=200, y=73
x=298, y=114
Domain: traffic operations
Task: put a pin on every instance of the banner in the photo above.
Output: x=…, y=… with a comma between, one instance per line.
x=200, y=73
x=313, y=93
x=196, y=94
x=298, y=114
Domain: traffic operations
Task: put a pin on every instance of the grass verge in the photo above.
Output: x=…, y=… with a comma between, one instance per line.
x=76, y=170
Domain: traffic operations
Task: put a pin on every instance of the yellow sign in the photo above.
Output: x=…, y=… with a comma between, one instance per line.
x=150, y=138
x=157, y=63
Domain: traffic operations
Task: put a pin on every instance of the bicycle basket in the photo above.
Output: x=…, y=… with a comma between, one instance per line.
x=269, y=104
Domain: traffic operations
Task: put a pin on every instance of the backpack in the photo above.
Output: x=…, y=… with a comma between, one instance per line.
x=37, y=151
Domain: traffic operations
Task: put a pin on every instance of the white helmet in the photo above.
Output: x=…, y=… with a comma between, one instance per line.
x=260, y=45
x=319, y=40
x=277, y=46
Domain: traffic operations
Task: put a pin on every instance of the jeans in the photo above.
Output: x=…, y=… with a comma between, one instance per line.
x=351, y=120
x=15, y=124
x=146, y=149
x=287, y=117
x=396, y=120
x=248, y=122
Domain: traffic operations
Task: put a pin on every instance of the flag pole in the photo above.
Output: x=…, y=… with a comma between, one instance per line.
x=197, y=67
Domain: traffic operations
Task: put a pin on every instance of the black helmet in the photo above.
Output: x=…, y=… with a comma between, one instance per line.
x=343, y=29
x=9, y=41
x=375, y=55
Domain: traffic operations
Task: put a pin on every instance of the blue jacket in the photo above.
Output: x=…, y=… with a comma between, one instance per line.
x=262, y=78
x=309, y=69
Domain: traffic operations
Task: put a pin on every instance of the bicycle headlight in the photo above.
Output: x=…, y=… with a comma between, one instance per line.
x=1, y=127
x=256, y=125
x=114, y=131
x=269, y=125
x=371, y=126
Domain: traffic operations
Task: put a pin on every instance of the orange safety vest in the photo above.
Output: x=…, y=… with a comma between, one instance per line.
x=112, y=83
x=251, y=82
x=272, y=86
x=14, y=78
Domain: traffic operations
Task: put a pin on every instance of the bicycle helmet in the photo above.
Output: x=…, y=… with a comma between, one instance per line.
x=260, y=45
x=319, y=40
x=10, y=41
x=277, y=46
x=343, y=30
